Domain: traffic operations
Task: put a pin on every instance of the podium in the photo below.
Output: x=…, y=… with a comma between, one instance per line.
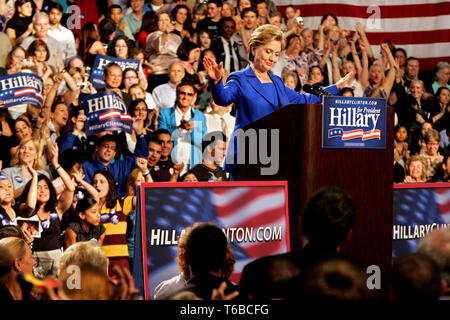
x=366, y=174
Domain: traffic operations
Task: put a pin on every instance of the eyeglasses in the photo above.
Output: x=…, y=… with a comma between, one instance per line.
x=140, y=109
x=432, y=143
x=189, y=94
x=107, y=146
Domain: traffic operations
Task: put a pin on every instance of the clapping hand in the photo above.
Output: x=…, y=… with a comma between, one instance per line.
x=346, y=80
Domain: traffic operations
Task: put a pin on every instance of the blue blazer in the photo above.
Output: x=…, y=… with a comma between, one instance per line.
x=167, y=121
x=251, y=101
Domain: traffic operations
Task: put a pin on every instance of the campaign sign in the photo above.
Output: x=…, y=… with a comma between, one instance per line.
x=21, y=88
x=100, y=63
x=105, y=111
x=253, y=215
x=352, y=122
x=419, y=208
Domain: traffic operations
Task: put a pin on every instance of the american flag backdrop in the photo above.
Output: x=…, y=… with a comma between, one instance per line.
x=231, y=205
x=418, y=205
x=421, y=27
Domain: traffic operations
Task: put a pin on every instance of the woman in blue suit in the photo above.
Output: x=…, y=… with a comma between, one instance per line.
x=254, y=91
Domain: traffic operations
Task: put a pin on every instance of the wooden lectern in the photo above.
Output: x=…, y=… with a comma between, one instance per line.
x=366, y=174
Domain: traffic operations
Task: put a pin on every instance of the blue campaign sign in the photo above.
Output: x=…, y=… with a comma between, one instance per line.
x=353, y=122
x=105, y=111
x=100, y=63
x=21, y=88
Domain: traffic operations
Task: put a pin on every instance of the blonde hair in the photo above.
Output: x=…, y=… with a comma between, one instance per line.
x=82, y=253
x=432, y=134
x=11, y=248
x=263, y=35
x=15, y=161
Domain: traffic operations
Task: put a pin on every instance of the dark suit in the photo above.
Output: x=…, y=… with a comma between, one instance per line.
x=219, y=51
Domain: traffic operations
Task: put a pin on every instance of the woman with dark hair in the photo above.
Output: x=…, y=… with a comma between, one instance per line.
x=189, y=54
x=440, y=111
x=41, y=200
x=120, y=47
x=23, y=129
x=183, y=22
x=88, y=226
x=113, y=215
x=39, y=53
x=139, y=109
x=20, y=25
x=90, y=44
x=147, y=27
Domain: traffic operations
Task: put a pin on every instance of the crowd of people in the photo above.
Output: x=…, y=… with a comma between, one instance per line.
x=185, y=103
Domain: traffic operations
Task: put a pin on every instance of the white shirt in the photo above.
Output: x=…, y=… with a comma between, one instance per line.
x=182, y=150
x=357, y=89
x=164, y=95
x=65, y=36
x=226, y=49
x=214, y=122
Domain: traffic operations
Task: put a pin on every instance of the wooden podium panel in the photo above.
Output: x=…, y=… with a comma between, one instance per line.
x=366, y=174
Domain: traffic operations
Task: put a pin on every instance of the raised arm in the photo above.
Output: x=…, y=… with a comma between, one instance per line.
x=334, y=61
x=362, y=33
x=27, y=208
x=364, y=79
x=388, y=82
x=79, y=179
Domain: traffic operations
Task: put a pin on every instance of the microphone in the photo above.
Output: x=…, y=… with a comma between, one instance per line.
x=315, y=90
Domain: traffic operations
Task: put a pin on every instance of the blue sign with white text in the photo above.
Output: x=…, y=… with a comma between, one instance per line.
x=100, y=63
x=105, y=111
x=353, y=122
x=21, y=88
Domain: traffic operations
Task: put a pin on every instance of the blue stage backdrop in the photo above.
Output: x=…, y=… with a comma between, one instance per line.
x=254, y=216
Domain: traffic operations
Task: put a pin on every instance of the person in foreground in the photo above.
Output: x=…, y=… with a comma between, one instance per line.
x=254, y=91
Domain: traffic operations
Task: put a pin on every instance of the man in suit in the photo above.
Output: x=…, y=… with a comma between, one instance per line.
x=225, y=49
x=187, y=126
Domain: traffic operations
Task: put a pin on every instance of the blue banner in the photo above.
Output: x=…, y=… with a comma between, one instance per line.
x=105, y=111
x=352, y=122
x=21, y=88
x=418, y=210
x=100, y=63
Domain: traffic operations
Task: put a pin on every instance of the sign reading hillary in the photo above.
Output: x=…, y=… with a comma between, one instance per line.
x=21, y=88
x=253, y=216
x=105, y=111
x=419, y=208
x=352, y=122
x=100, y=63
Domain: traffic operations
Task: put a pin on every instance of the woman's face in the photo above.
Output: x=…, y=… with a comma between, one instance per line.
x=295, y=46
x=329, y=21
x=60, y=115
x=190, y=178
x=290, y=13
x=401, y=135
x=26, y=10
x=40, y=53
x=27, y=261
x=416, y=169
x=316, y=76
x=43, y=191
x=77, y=77
x=163, y=22
x=308, y=37
x=266, y=56
x=244, y=4
x=376, y=75
x=333, y=33
x=137, y=93
x=130, y=78
x=426, y=127
x=17, y=58
x=141, y=111
x=27, y=153
x=121, y=49
x=194, y=55
x=6, y=190
x=181, y=15
x=416, y=90
x=101, y=185
x=22, y=130
x=205, y=40
x=226, y=11
x=443, y=75
x=348, y=67
x=92, y=215
x=290, y=82
x=432, y=147
x=444, y=96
